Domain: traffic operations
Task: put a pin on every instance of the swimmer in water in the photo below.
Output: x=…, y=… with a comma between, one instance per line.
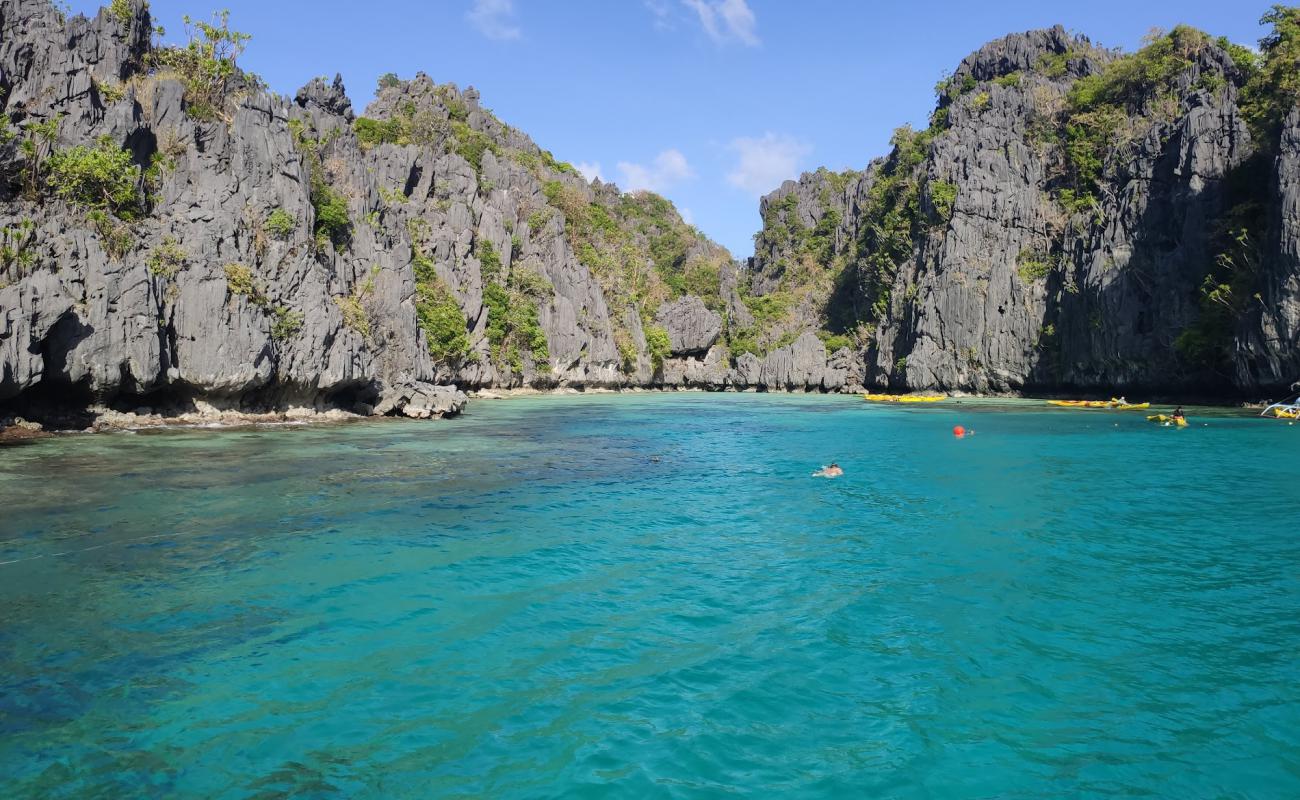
x=833, y=471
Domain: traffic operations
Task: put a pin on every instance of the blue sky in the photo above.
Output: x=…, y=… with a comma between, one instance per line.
x=710, y=102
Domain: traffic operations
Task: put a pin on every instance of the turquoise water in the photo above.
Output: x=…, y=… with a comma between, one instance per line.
x=647, y=596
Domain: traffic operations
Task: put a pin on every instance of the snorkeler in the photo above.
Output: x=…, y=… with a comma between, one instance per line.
x=832, y=471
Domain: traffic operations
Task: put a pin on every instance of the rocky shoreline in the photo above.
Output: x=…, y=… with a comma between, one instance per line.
x=206, y=416
x=266, y=256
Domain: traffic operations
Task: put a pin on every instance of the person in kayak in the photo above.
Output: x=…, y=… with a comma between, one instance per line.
x=1178, y=414
x=833, y=471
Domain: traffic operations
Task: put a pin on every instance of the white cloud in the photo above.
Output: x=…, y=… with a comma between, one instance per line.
x=590, y=171
x=763, y=163
x=662, y=13
x=495, y=19
x=669, y=168
x=726, y=20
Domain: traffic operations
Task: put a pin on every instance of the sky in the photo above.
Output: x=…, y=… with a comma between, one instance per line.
x=712, y=103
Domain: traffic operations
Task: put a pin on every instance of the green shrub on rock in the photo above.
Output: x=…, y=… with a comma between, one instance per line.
x=658, y=344
x=286, y=324
x=513, y=326
x=121, y=11
x=943, y=196
x=115, y=237
x=16, y=247
x=1032, y=265
x=333, y=225
x=1273, y=87
x=835, y=341
x=206, y=64
x=240, y=281
x=371, y=132
x=354, y=314
x=279, y=224
x=167, y=259
x=472, y=144
x=100, y=177
x=443, y=323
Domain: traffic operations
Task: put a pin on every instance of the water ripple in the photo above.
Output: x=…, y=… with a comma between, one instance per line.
x=648, y=597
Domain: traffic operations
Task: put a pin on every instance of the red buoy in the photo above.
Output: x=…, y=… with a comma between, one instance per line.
x=959, y=431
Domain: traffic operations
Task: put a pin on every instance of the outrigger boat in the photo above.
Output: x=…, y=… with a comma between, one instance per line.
x=904, y=398
x=1287, y=409
x=1114, y=402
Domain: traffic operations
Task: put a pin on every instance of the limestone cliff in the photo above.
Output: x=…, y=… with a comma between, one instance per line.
x=1073, y=219
x=175, y=234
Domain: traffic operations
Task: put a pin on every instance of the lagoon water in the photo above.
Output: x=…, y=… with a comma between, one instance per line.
x=648, y=596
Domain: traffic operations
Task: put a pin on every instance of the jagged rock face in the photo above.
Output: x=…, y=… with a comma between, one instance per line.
x=460, y=211
x=1269, y=353
x=972, y=322
x=288, y=253
x=1023, y=52
x=88, y=320
x=1007, y=290
x=810, y=229
x=329, y=97
x=801, y=363
x=232, y=287
x=1127, y=283
x=692, y=328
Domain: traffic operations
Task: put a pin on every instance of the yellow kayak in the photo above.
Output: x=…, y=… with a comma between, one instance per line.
x=904, y=398
x=1112, y=403
x=1165, y=419
x=1282, y=413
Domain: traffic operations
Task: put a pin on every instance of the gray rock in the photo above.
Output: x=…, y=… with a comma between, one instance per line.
x=799, y=365
x=691, y=327
x=249, y=317
x=709, y=372
x=330, y=98
x=1122, y=283
x=747, y=373
x=419, y=400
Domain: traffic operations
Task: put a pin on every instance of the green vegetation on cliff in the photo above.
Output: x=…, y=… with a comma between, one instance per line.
x=1273, y=85
x=442, y=125
x=206, y=65
x=441, y=320
x=333, y=225
x=100, y=177
x=639, y=247
x=511, y=301
x=1102, y=109
x=438, y=313
x=658, y=344
x=1271, y=90
x=890, y=222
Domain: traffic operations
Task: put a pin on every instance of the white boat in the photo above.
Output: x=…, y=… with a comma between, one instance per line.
x=1287, y=409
